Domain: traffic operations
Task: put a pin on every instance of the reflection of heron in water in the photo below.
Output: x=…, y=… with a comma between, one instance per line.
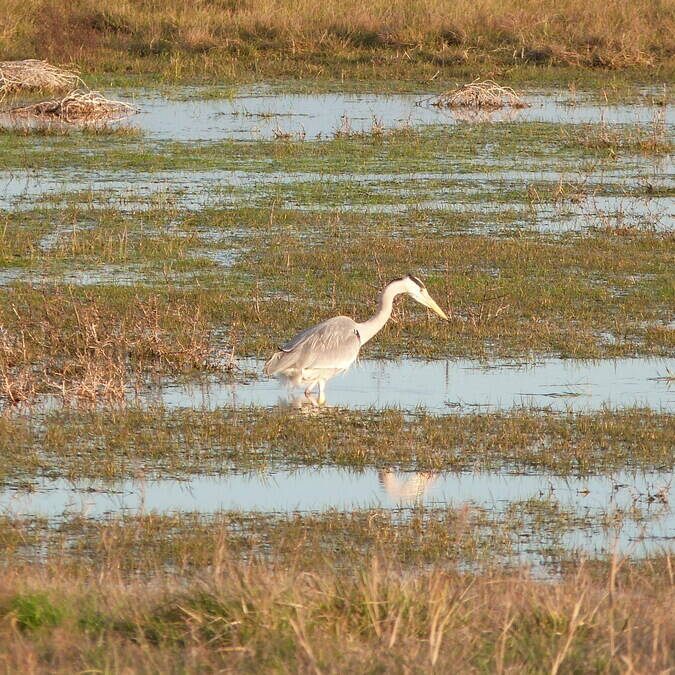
x=329, y=348
x=410, y=489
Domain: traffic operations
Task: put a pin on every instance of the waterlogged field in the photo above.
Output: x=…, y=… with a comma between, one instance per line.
x=525, y=449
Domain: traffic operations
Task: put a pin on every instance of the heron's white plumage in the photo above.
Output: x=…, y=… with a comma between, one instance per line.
x=318, y=353
x=329, y=348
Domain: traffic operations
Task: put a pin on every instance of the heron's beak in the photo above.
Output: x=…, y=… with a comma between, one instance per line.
x=429, y=302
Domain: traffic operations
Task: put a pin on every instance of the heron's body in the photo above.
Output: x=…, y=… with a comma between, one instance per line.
x=318, y=353
x=329, y=348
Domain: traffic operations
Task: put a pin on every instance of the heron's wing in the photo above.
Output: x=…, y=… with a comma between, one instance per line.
x=332, y=344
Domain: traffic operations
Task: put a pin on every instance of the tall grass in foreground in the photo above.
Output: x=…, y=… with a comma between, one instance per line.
x=108, y=34
x=253, y=617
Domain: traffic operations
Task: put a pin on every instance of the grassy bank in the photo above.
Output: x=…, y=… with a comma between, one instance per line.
x=244, y=617
x=235, y=39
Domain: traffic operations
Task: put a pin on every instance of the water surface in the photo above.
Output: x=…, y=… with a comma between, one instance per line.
x=628, y=510
x=456, y=385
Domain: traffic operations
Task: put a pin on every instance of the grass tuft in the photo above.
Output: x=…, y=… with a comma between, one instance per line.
x=31, y=611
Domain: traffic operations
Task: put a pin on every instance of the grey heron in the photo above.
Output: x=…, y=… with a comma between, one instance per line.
x=329, y=348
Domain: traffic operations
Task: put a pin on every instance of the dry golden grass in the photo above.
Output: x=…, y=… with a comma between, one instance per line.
x=477, y=94
x=34, y=75
x=261, y=617
x=107, y=34
x=85, y=350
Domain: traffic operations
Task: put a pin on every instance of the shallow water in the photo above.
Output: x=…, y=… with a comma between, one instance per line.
x=455, y=386
x=624, y=509
x=263, y=113
x=260, y=115
x=435, y=190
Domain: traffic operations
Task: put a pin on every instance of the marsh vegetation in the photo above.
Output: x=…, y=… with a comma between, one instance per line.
x=420, y=522
x=238, y=39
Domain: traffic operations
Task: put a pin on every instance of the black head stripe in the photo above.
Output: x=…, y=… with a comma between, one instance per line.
x=416, y=280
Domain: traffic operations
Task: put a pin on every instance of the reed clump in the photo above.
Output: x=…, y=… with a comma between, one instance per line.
x=653, y=138
x=86, y=349
x=34, y=75
x=78, y=106
x=478, y=94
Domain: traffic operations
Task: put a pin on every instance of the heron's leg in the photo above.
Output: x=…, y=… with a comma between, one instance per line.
x=308, y=391
x=322, y=392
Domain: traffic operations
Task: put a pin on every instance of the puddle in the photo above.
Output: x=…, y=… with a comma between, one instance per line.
x=12, y=274
x=624, y=508
x=262, y=115
x=455, y=386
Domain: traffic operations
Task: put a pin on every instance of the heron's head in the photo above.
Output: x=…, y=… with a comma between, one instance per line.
x=418, y=291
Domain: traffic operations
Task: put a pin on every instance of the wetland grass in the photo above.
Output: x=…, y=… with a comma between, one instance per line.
x=647, y=139
x=507, y=295
x=433, y=151
x=385, y=40
x=404, y=590
x=103, y=343
x=116, y=444
x=37, y=129
x=304, y=611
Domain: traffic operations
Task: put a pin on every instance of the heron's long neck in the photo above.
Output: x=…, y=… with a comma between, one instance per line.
x=374, y=325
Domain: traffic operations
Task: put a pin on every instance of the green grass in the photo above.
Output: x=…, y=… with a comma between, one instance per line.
x=32, y=611
x=460, y=147
x=116, y=445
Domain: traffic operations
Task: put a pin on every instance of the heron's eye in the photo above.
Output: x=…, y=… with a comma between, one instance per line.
x=416, y=280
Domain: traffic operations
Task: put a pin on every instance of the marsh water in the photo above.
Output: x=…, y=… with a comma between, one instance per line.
x=631, y=509
x=456, y=385
x=261, y=114
x=628, y=510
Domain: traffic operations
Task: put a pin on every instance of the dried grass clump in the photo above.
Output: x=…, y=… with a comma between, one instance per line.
x=87, y=351
x=477, y=94
x=34, y=75
x=648, y=139
x=79, y=106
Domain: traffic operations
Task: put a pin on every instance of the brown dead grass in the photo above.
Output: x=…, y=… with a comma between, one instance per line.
x=85, y=350
x=107, y=34
x=79, y=106
x=260, y=617
x=478, y=94
x=34, y=75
